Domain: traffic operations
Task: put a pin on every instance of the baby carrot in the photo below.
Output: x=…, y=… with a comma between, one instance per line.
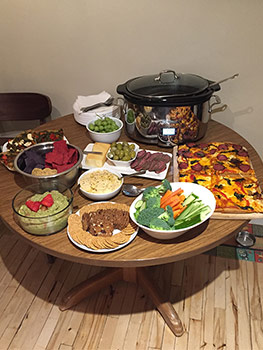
x=178, y=191
x=167, y=194
x=172, y=200
x=178, y=212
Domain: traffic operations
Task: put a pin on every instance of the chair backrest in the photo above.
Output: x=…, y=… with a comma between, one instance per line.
x=16, y=106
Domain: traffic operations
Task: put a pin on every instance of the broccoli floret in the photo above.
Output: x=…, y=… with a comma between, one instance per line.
x=146, y=215
x=156, y=191
x=164, y=187
x=150, y=192
x=159, y=224
x=153, y=202
x=168, y=216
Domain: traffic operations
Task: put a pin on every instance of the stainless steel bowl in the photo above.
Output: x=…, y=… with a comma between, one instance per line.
x=67, y=177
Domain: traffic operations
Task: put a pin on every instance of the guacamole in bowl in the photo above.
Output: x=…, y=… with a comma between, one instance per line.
x=43, y=213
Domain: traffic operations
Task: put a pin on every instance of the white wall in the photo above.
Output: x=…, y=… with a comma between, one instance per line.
x=68, y=48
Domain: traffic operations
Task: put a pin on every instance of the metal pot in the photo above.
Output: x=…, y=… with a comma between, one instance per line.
x=169, y=108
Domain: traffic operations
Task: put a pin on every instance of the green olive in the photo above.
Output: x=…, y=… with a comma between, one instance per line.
x=110, y=155
x=133, y=153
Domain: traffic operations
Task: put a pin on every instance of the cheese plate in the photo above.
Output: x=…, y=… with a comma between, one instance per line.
x=128, y=170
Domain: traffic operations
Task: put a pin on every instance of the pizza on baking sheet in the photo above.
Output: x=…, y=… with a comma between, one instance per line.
x=226, y=170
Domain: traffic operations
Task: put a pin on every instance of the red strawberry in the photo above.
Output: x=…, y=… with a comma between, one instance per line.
x=34, y=206
x=48, y=201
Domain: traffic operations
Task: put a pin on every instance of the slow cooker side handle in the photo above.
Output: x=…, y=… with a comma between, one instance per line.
x=216, y=102
x=121, y=89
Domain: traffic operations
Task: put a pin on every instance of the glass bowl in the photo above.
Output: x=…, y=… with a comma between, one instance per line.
x=49, y=218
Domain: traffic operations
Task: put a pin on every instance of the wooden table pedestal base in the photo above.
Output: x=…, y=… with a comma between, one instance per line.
x=137, y=275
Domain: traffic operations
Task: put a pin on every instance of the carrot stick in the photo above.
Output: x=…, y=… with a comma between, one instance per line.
x=178, y=191
x=172, y=200
x=177, y=206
x=170, y=194
x=166, y=195
x=178, y=212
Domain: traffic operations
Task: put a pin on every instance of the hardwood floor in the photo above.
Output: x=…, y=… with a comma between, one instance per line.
x=218, y=300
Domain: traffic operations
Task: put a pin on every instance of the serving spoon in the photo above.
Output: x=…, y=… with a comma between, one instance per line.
x=108, y=102
x=141, y=172
x=131, y=190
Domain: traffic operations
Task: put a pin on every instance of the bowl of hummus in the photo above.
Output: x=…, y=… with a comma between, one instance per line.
x=43, y=212
x=100, y=183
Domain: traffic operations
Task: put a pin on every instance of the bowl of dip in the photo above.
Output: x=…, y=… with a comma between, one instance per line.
x=100, y=184
x=42, y=212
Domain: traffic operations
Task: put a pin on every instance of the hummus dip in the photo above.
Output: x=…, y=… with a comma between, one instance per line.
x=100, y=181
x=46, y=220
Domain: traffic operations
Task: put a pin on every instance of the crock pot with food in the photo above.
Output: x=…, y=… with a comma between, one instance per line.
x=168, y=108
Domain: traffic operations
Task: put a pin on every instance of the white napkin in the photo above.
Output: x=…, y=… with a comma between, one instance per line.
x=86, y=101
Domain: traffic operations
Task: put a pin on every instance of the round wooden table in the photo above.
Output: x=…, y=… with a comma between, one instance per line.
x=131, y=262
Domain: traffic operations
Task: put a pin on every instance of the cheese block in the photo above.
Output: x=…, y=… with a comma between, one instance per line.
x=97, y=160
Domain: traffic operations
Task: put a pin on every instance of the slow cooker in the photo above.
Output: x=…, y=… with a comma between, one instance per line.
x=168, y=108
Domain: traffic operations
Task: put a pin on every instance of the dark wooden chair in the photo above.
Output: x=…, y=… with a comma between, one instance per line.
x=23, y=106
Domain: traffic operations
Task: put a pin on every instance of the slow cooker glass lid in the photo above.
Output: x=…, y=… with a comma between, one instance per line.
x=166, y=84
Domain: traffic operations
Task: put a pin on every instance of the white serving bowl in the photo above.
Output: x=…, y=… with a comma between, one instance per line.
x=106, y=137
x=124, y=163
x=203, y=193
x=100, y=196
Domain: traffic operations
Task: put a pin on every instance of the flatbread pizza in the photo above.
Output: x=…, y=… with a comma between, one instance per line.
x=226, y=170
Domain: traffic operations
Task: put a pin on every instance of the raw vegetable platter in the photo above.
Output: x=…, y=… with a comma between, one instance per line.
x=129, y=170
x=201, y=194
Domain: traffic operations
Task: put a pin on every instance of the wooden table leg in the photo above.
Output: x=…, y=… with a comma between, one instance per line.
x=135, y=275
x=90, y=286
x=165, y=307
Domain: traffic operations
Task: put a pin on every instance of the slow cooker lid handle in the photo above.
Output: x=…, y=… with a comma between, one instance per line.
x=159, y=78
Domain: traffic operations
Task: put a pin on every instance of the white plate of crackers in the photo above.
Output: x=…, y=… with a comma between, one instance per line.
x=111, y=237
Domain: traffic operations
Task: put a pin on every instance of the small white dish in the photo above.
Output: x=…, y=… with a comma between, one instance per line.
x=123, y=163
x=100, y=196
x=202, y=192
